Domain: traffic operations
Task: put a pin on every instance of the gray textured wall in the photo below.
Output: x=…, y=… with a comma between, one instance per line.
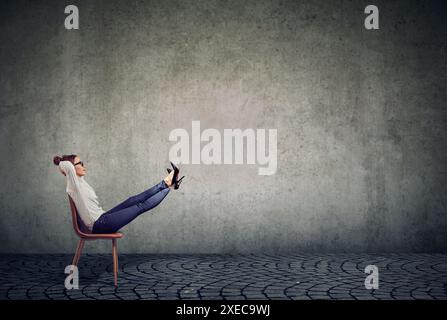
x=361, y=119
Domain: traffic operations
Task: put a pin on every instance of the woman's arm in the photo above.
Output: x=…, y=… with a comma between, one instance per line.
x=73, y=186
x=69, y=171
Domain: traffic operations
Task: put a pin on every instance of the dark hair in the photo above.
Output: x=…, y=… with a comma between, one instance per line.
x=69, y=157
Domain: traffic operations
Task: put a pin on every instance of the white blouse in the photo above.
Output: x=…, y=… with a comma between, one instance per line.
x=82, y=194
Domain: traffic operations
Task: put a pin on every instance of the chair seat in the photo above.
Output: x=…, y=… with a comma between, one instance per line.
x=93, y=236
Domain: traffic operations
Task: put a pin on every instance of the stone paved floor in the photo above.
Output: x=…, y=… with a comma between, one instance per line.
x=255, y=276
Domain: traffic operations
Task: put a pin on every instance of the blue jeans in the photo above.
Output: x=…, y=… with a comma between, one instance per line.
x=120, y=215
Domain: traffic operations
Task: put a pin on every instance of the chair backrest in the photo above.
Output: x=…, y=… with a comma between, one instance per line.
x=78, y=226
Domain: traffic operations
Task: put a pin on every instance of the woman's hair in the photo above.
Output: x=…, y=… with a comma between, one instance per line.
x=58, y=159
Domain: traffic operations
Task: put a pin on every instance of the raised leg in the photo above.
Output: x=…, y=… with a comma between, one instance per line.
x=78, y=252
x=115, y=262
x=111, y=222
x=140, y=197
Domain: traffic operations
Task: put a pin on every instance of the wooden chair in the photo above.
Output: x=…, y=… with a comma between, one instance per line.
x=84, y=234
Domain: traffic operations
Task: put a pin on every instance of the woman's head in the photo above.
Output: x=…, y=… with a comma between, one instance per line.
x=75, y=160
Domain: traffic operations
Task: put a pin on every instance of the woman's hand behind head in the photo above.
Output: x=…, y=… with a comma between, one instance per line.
x=71, y=158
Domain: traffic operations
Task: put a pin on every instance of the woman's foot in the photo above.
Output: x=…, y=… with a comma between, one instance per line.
x=169, y=179
x=174, y=181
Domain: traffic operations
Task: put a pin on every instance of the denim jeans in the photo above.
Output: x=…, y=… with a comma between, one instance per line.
x=120, y=215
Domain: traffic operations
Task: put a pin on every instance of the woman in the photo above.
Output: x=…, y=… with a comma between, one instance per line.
x=92, y=215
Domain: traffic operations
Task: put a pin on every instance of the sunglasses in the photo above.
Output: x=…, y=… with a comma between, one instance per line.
x=80, y=162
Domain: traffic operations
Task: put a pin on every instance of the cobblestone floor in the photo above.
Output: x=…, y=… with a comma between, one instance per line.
x=256, y=276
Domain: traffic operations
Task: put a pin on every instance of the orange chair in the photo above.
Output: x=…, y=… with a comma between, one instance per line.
x=84, y=234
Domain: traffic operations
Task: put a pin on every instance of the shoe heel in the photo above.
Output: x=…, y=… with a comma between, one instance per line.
x=177, y=185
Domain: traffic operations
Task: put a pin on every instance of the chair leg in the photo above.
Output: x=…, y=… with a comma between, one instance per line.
x=115, y=262
x=78, y=252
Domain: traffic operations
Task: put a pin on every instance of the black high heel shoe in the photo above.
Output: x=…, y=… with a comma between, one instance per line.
x=178, y=182
x=175, y=180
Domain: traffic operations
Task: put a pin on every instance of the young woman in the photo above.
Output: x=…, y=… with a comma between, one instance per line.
x=95, y=219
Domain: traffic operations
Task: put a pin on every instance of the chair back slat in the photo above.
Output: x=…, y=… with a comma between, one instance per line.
x=78, y=226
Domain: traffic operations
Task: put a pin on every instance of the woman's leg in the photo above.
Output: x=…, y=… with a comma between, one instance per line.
x=140, y=197
x=112, y=221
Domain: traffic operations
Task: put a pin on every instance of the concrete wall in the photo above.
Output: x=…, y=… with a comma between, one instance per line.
x=360, y=114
